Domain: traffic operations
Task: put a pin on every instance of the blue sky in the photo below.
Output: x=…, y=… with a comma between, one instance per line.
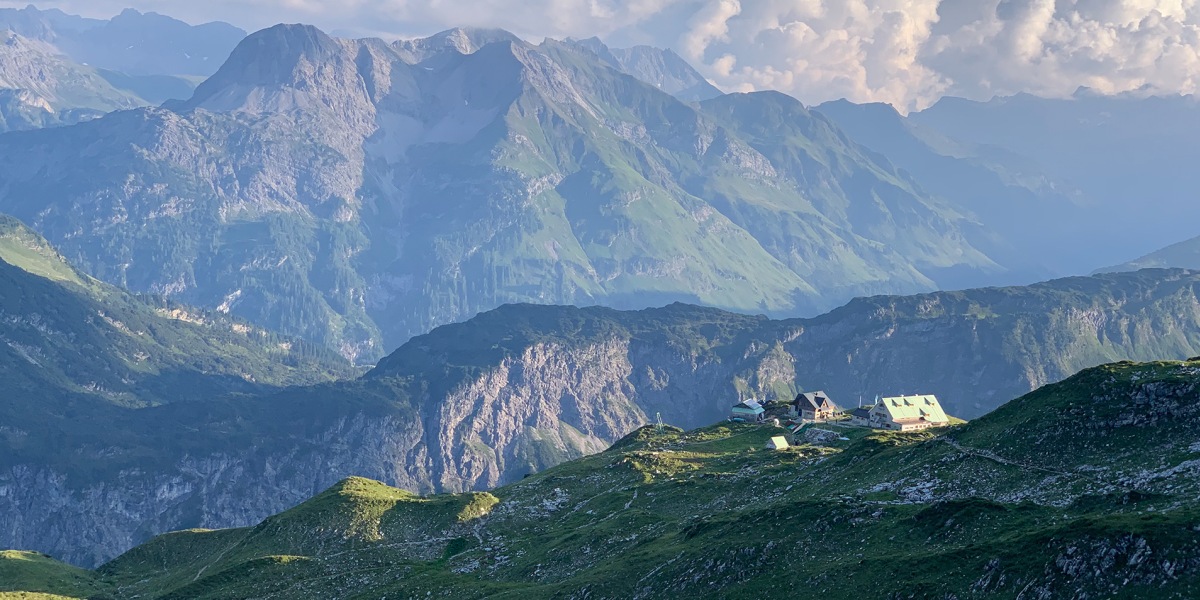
x=905, y=52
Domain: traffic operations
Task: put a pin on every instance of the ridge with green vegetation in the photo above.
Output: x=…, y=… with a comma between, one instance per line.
x=1081, y=489
x=80, y=358
x=40, y=87
x=98, y=434
x=65, y=335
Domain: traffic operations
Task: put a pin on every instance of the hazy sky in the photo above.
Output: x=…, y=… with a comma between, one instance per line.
x=906, y=52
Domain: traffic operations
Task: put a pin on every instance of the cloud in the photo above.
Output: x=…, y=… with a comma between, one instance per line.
x=905, y=52
x=911, y=52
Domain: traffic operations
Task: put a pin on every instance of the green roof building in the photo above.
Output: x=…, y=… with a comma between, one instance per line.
x=749, y=411
x=908, y=413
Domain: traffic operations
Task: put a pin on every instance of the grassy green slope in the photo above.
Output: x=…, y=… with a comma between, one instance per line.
x=29, y=575
x=1121, y=422
x=977, y=512
x=68, y=334
x=26, y=250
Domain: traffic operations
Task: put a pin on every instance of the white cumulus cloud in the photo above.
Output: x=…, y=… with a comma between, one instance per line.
x=905, y=52
x=911, y=52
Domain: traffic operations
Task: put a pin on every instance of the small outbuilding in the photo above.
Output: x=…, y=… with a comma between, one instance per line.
x=777, y=443
x=861, y=417
x=814, y=406
x=749, y=411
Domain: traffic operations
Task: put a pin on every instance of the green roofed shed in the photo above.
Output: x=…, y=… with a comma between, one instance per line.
x=749, y=410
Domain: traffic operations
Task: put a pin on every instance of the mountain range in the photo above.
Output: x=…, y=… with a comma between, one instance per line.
x=133, y=43
x=358, y=193
x=1081, y=489
x=1035, y=222
x=221, y=227
x=58, y=69
x=1125, y=155
x=663, y=69
x=140, y=416
x=307, y=185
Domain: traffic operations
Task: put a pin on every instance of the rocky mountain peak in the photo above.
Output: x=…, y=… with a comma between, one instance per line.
x=273, y=54
x=858, y=120
x=880, y=110
x=659, y=67
x=29, y=22
x=282, y=68
x=131, y=13
x=470, y=39
x=767, y=113
x=41, y=76
x=14, y=42
x=461, y=40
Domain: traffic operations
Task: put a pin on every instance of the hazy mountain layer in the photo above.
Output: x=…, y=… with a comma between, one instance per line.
x=335, y=190
x=1184, y=255
x=523, y=388
x=39, y=87
x=58, y=69
x=133, y=43
x=1128, y=155
x=1081, y=489
x=1039, y=226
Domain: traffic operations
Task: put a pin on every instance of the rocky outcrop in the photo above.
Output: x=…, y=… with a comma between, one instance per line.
x=40, y=88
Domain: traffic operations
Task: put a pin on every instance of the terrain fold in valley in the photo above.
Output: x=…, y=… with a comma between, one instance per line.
x=481, y=403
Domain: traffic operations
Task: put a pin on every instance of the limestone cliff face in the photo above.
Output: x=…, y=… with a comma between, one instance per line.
x=557, y=401
x=548, y=404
